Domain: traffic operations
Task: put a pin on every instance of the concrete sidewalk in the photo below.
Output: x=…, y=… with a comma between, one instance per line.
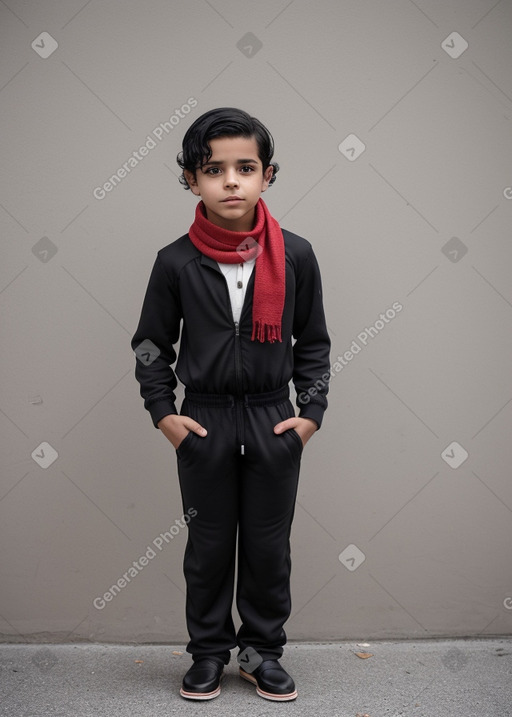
x=449, y=678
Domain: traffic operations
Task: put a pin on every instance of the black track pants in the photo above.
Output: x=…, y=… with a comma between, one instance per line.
x=240, y=476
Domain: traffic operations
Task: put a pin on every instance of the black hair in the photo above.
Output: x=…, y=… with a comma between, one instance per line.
x=223, y=122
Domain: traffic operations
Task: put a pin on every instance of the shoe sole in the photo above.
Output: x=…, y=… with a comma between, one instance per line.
x=201, y=695
x=267, y=695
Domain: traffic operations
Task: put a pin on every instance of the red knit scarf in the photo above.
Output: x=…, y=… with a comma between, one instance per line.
x=266, y=243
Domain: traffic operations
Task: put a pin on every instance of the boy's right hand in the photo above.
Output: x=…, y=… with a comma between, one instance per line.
x=176, y=427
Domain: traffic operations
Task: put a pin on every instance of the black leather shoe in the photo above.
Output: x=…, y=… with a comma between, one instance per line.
x=272, y=681
x=202, y=681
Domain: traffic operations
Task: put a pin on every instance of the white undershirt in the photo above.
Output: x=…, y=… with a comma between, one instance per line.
x=237, y=278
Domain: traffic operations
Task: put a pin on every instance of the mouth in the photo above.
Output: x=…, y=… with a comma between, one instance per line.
x=233, y=199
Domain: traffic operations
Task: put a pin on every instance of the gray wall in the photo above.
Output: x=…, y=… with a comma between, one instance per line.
x=403, y=524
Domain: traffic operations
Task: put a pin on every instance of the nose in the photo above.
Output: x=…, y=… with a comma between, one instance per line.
x=231, y=177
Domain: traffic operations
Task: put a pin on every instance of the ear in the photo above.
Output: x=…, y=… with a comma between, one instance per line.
x=192, y=182
x=267, y=176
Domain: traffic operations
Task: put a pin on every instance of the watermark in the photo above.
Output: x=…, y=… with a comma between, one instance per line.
x=363, y=339
x=454, y=455
x=44, y=455
x=44, y=659
x=158, y=133
x=454, y=249
x=454, y=45
x=249, y=249
x=249, y=44
x=147, y=352
x=507, y=603
x=138, y=566
x=454, y=660
x=351, y=147
x=351, y=557
x=249, y=660
x=44, y=249
x=45, y=45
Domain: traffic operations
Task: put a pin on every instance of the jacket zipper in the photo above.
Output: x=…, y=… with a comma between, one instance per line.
x=239, y=394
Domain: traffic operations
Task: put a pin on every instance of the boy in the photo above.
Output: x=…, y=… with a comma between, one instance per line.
x=243, y=288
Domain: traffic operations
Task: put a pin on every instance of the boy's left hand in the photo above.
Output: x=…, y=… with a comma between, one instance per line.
x=305, y=427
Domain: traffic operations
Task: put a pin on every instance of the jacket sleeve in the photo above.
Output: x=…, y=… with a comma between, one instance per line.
x=311, y=370
x=153, y=343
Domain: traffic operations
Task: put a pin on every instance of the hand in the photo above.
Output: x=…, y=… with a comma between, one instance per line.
x=175, y=428
x=305, y=427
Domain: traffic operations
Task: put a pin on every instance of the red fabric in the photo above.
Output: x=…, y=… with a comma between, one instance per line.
x=266, y=243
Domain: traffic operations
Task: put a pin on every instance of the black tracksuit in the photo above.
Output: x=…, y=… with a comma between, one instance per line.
x=241, y=476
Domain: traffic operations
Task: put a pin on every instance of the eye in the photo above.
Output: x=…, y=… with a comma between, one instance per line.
x=247, y=169
x=212, y=170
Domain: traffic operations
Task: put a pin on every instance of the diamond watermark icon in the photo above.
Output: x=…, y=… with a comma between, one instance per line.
x=454, y=45
x=44, y=45
x=44, y=455
x=454, y=455
x=249, y=249
x=249, y=659
x=351, y=147
x=454, y=660
x=249, y=44
x=44, y=659
x=454, y=249
x=147, y=352
x=44, y=249
x=351, y=557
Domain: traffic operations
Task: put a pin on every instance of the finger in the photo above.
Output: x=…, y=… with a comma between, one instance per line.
x=285, y=425
x=195, y=427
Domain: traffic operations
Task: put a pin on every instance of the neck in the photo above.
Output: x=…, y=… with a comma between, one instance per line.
x=243, y=224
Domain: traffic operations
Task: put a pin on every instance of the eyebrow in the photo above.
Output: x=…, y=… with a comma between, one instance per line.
x=239, y=161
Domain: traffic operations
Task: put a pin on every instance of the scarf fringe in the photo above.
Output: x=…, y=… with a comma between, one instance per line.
x=266, y=332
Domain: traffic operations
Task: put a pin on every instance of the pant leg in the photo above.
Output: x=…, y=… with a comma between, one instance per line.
x=268, y=489
x=208, y=475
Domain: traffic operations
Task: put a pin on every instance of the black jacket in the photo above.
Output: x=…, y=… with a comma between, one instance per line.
x=216, y=355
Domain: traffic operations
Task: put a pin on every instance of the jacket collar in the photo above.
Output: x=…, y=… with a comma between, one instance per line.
x=207, y=261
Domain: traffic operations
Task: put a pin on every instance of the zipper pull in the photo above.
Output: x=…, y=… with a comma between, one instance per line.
x=242, y=450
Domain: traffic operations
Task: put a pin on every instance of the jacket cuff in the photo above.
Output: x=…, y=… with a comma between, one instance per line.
x=313, y=411
x=159, y=409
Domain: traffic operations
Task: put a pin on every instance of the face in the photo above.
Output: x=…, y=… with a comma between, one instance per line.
x=231, y=182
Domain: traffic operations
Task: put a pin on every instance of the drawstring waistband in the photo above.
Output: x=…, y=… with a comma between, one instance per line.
x=270, y=398
x=228, y=400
